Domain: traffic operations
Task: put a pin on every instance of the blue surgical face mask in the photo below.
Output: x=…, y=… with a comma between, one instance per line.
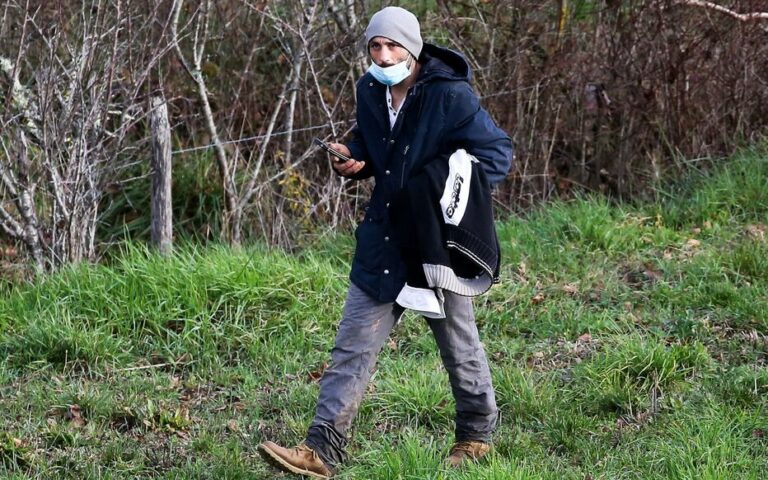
x=391, y=75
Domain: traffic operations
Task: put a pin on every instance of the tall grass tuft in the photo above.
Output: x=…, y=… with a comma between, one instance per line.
x=213, y=306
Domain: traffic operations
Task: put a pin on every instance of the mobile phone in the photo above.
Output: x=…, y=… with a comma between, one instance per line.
x=339, y=157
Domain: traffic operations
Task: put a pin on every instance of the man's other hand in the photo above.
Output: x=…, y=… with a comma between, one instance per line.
x=348, y=168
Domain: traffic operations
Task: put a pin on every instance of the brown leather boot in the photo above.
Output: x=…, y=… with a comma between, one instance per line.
x=463, y=452
x=300, y=459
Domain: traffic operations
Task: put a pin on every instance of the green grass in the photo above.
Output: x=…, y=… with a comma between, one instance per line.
x=625, y=342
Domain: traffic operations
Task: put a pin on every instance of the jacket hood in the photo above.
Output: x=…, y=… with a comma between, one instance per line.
x=442, y=63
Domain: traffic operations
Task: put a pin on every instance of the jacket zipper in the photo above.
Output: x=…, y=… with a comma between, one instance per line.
x=405, y=162
x=398, y=124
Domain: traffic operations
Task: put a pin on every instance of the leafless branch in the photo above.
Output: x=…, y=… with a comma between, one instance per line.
x=253, y=177
x=742, y=17
x=195, y=70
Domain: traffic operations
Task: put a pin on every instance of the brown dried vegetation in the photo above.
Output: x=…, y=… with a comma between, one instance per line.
x=601, y=96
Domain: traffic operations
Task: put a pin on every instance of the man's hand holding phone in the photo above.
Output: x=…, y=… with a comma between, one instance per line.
x=341, y=158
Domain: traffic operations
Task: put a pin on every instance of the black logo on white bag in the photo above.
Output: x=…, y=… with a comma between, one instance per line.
x=458, y=180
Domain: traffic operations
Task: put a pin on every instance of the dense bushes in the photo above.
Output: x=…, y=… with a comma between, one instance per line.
x=599, y=95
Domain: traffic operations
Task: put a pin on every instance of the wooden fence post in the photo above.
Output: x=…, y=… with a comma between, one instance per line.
x=161, y=213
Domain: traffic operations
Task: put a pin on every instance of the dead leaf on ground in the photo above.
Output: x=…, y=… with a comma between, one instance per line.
x=75, y=415
x=536, y=359
x=521, y=273
x=756, y=232
x=317, y=374
x=571, y=289
x=537, y=299
x=652, y=273
x=692, y=243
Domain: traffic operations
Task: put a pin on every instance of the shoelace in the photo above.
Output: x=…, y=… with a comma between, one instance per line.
x=303, y=447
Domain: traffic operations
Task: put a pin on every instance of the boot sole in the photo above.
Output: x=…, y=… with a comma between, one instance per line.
x=280, y=462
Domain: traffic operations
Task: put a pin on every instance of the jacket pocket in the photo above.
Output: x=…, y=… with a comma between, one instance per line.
x=370, y=243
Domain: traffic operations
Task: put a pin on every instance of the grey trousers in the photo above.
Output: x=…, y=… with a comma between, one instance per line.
x=365, y=325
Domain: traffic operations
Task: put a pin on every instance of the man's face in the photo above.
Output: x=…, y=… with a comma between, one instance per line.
x=385, y=52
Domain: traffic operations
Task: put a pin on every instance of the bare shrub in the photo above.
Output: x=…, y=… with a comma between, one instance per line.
x=606, y=96
x=609, y=96
x=73, y=89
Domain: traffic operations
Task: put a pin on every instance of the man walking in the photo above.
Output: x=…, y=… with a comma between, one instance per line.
x=414, y=105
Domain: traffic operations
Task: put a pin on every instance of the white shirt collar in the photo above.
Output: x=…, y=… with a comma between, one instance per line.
x=392, y=112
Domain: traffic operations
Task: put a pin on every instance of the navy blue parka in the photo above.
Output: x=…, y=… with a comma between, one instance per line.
x=440, y=114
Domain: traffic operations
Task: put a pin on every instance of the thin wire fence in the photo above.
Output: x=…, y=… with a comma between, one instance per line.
x=317, y=127
x=258, y=137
